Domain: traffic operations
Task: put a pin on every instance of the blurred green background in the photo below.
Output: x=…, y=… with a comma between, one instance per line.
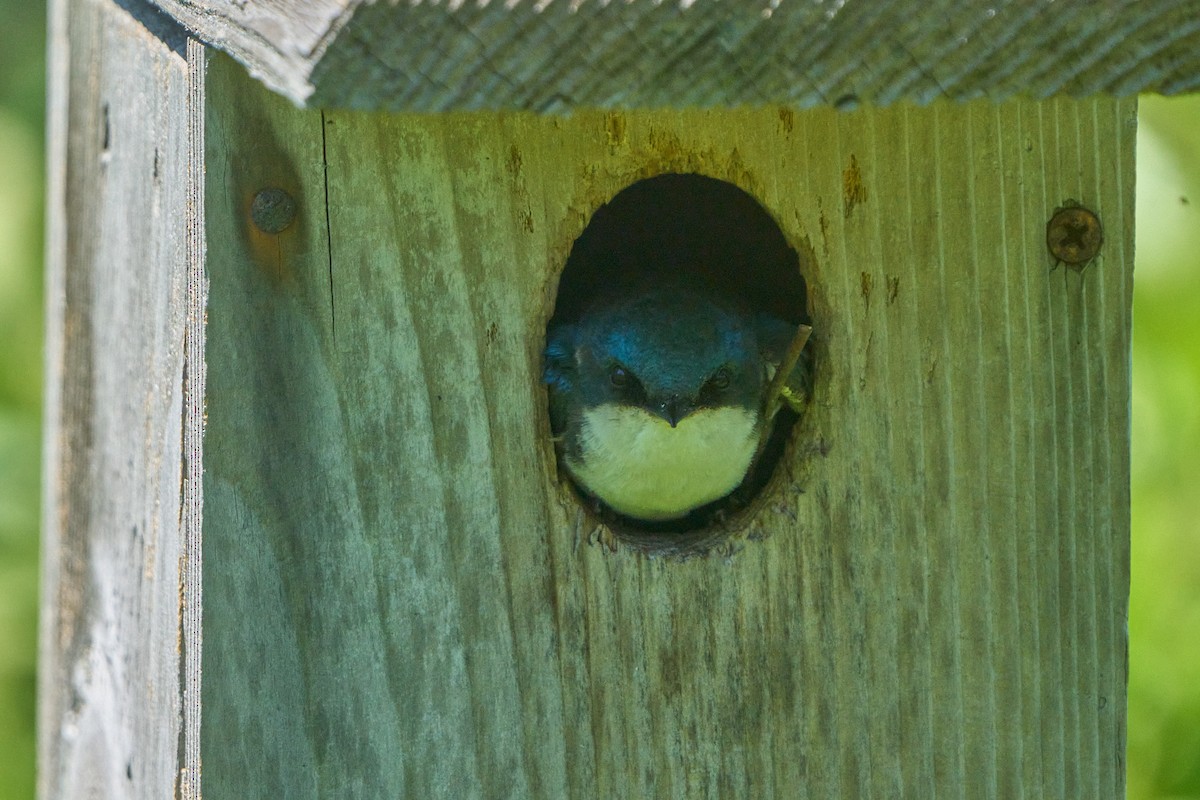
x=1164, y=684
x=22, y=102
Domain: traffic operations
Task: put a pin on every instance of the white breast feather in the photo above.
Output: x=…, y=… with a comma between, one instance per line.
x=642, y=467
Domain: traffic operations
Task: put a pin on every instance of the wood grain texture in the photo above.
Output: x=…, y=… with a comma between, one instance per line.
x=558, y=56
x=120, y=257
x=402, y=599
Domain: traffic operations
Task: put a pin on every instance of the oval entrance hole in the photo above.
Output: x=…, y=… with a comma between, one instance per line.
x=699, y=232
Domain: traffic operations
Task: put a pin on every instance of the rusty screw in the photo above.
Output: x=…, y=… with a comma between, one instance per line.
x=272, y=210
x=1074, y=235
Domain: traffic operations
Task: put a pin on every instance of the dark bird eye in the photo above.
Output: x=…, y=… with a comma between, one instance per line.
x=619, y=377
x=712, y=391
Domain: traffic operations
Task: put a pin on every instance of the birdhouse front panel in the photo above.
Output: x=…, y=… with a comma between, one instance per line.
x=408, y=590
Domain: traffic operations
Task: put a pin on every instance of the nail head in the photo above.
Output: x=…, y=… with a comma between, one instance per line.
x=272, y=210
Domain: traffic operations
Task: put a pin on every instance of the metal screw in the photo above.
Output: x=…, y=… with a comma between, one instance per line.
x=1074, y=235
x=272, y=210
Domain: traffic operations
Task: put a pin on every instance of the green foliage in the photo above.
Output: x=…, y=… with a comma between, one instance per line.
x=19, y=440
x=22, y=70
x=1164, y=608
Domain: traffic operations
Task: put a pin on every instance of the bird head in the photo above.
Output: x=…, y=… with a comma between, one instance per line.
x=669, y=353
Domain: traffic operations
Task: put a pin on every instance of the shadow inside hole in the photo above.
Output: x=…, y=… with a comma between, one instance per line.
x=704, y=233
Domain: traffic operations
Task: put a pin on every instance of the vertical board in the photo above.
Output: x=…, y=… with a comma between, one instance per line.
x=124, y=332
x=401, y=599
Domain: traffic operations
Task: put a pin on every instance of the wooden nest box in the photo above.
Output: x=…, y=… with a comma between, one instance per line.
x=305, y=535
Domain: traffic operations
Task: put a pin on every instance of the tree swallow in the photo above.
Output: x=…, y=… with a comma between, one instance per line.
x=658, y=399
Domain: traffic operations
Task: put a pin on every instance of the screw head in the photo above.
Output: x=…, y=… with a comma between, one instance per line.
x=272, y=210
x=1074, y=235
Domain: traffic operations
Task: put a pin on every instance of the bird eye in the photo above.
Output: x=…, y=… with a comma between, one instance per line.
x=720, y=379
x=619, y=377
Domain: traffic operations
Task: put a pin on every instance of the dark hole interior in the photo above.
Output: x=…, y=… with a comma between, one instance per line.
x=703, y=231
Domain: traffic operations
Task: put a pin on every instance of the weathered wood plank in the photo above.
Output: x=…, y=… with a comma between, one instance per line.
x=557, y=56
x=277, y=40
x=403, y=600
x=123, y=270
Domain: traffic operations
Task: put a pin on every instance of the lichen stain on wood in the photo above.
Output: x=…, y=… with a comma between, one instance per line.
x=522, y=209
x=823, y=224
x=515, y=160
x=525, y=218
x=854, y=191
x=787, y=120
x=614, y=127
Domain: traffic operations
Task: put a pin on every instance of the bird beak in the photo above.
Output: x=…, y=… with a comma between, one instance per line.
x=673, y=409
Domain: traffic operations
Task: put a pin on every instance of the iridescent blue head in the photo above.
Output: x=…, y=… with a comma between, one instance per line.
x=656, y=400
